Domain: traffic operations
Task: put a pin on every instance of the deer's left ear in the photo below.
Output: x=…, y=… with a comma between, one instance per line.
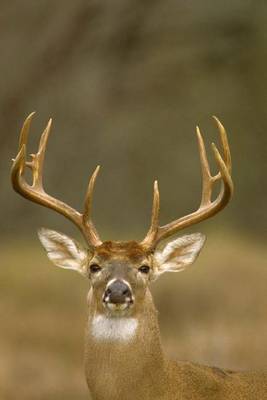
x=178, y=253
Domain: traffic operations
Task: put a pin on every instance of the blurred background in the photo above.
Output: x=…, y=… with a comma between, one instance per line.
x=126, y=82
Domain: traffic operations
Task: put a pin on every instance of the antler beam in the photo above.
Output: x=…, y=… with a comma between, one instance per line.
x=207, y=207
x=36, y=193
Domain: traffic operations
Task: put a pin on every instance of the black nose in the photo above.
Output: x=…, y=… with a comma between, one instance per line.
x=117, y=292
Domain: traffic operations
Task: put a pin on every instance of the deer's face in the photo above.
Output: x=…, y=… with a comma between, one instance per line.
x=120, y=272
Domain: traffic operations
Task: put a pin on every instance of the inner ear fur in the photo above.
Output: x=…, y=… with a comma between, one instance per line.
x=177, y=254
x=64, y=251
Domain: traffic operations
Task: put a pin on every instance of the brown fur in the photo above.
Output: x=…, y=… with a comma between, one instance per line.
x=132, y=250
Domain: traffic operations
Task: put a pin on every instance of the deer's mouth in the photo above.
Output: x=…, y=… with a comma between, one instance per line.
x=118, y=307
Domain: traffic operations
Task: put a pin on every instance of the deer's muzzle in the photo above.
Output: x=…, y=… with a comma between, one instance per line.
x=118, y=293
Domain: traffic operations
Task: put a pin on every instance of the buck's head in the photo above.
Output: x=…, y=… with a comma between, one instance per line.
x=120, y=272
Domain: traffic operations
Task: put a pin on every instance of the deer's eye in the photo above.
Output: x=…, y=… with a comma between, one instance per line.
x=95, y=268
x=144, y=269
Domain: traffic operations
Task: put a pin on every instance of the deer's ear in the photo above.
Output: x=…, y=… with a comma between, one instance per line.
x=178, y=253
x=63, y=251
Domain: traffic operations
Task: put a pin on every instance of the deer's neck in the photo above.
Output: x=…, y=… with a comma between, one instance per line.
x=120, y=354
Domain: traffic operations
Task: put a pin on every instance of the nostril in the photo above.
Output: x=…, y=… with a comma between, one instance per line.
x=126, y=292
x=108, y=292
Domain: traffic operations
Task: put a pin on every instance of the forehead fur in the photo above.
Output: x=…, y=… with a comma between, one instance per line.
x=132, y=250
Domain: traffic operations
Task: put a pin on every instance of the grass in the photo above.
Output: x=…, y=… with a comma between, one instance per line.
x=214, y=313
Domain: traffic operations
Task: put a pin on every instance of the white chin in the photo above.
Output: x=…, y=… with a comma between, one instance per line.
x=117, y=307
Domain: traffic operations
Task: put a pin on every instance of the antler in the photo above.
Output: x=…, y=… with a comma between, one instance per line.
x=36, y=193
x=207, y=207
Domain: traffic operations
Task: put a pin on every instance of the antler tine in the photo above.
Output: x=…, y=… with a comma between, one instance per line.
x=153, y=230
x=225, y=144
x=155, y=209
x=38, y=158
x=19, y=162
x=24, y=133
x=227, y=187
x=35, y=192
x=205, y=168
x=87, y=221
x=207, y=207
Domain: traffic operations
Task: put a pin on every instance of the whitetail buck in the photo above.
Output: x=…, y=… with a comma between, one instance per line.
x=123, y=353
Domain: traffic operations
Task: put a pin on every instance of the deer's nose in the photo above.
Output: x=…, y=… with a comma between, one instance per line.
x=118, y=292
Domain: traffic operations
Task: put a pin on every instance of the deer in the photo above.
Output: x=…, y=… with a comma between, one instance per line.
x=124, y=357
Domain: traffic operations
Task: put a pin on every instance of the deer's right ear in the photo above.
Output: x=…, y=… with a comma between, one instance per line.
x=63, y=251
